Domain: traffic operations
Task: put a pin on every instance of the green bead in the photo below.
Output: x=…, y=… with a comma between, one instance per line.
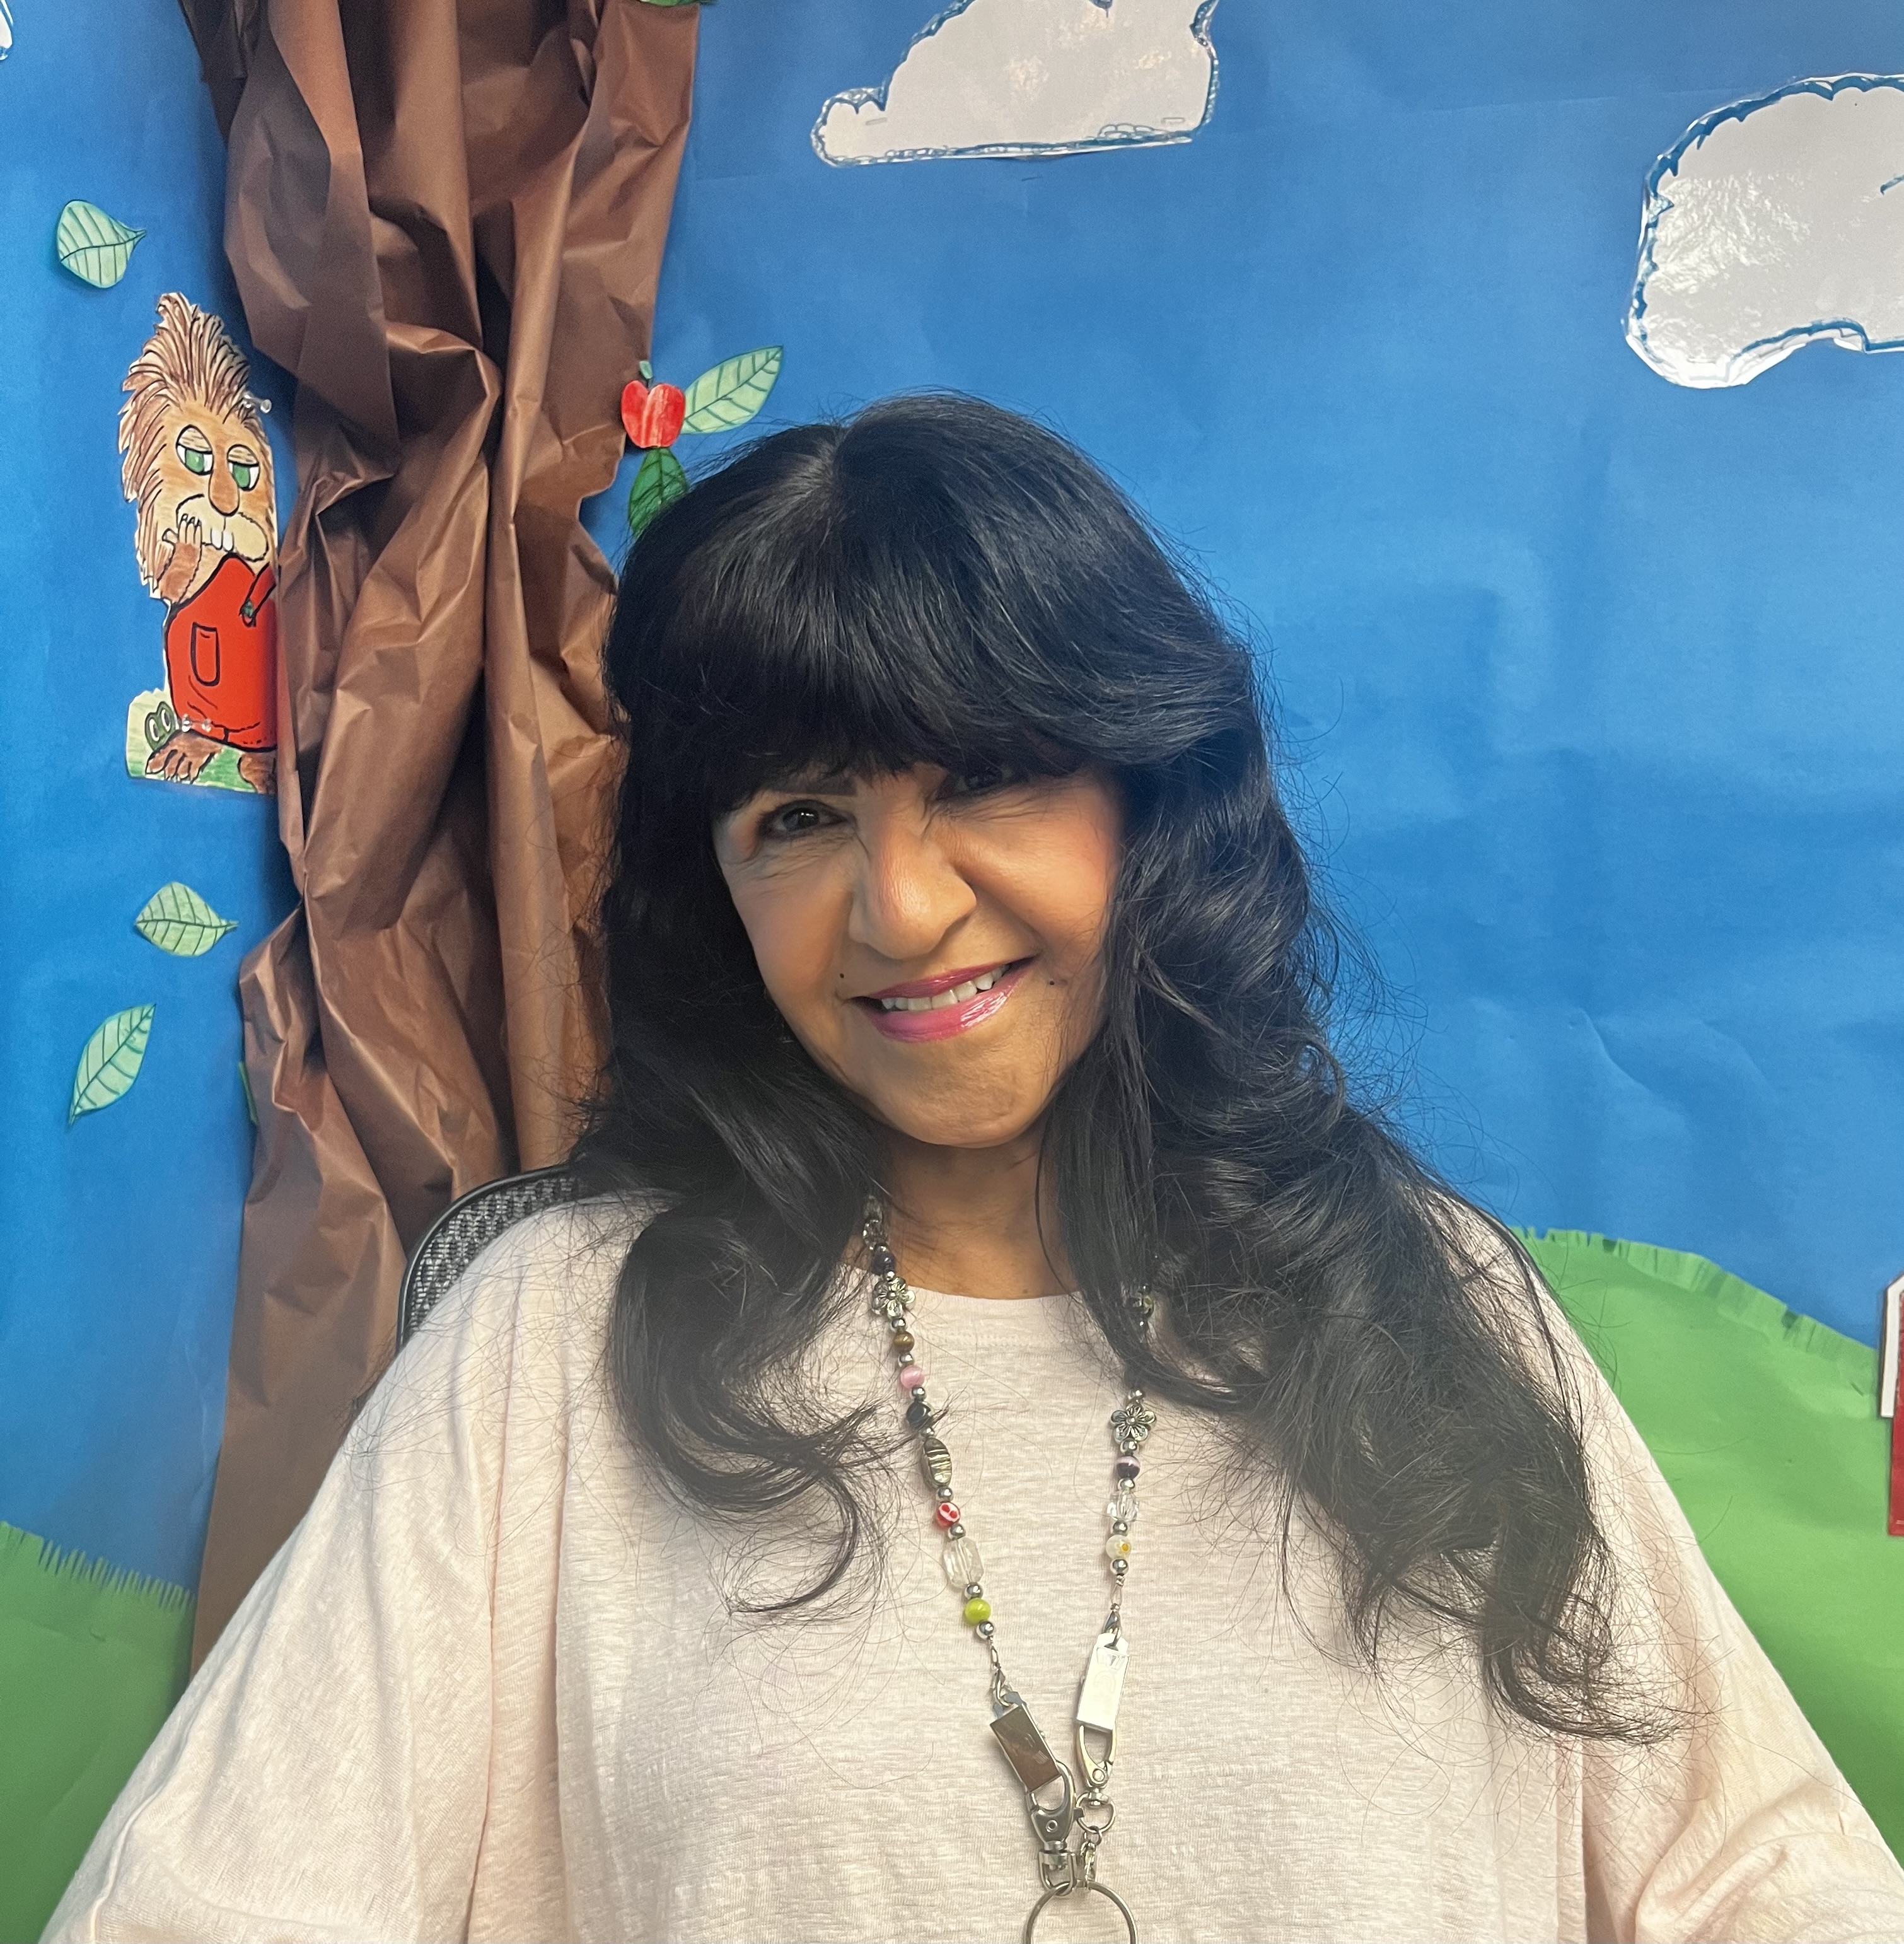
x=976, y=1610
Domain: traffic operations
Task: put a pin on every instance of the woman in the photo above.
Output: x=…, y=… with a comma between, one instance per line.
x=973, y=1176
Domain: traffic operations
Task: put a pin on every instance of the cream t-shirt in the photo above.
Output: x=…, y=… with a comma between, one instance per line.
x=494, y=1687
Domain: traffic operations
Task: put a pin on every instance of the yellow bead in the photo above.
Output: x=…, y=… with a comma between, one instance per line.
x=976, y=1610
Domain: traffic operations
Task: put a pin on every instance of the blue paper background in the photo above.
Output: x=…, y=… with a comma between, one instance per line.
x=120, y=1231
x=1593, y=685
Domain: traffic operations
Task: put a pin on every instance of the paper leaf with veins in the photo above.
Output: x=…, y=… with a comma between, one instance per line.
x=732, y=391
x=95, y=247
x=1773, y=224
x=659, y=480
x=177, y=919
x=110, y=1061
x=1033, y=78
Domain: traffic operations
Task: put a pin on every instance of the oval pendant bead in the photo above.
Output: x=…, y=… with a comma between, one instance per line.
x=962, y=1564
x=977, y=1612
x=917, y=1413
x=936, y=1461
x=1118, y=1547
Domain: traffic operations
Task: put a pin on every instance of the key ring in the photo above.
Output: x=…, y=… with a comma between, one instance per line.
x=1069, y=1890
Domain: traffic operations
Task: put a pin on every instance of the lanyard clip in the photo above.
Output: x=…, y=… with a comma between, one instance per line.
x=1098, y=1700
x=1046, y=1781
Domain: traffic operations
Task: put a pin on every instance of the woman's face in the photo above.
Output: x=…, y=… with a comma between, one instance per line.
x=933, y=941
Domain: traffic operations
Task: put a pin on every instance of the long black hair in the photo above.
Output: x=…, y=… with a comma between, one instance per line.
x=938, y=581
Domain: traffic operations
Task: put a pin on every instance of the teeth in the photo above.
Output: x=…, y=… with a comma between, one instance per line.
x=939, y=1001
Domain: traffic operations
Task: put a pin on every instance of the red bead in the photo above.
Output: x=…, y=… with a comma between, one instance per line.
x=947, y=1513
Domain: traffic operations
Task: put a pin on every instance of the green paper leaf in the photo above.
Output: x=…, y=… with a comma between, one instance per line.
x=659, y=482
x=96, y=248
x=730, y=394
x=177, y=920
x=111, y=1061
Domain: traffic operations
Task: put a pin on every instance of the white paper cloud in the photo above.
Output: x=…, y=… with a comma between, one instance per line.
x=1033, y=78
x=1775, y=223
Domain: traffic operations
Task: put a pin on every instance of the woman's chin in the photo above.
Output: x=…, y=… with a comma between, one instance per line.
x=939, y=1118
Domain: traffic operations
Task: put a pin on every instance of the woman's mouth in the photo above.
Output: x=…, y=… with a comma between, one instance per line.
x=949, y=1003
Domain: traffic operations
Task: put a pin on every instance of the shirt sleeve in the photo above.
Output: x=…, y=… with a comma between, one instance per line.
x=325, y=1774
x=1737, y=1825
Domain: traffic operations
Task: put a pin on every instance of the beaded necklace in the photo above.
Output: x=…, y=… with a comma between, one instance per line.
x=1053, y=1802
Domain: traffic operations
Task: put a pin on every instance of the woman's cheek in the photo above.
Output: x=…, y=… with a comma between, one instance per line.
x=794, y=946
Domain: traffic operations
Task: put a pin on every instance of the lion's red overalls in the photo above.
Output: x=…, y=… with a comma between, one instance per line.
x=221, y=657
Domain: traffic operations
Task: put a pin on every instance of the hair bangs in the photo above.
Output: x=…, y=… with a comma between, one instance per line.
x=842, y=677
x=807, y=663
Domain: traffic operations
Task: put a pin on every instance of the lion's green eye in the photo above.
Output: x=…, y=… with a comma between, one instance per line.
x=195, y=451
x=243, y=463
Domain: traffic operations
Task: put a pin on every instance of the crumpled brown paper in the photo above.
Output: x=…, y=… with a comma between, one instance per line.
x=446, y=221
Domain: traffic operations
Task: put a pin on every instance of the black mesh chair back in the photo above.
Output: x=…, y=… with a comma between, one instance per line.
x=466, y=1227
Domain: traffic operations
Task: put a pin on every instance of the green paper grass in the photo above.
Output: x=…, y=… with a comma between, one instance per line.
x=91, y=1661
x=1765, y=1424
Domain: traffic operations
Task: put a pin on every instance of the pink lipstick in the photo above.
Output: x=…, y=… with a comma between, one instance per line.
x=947, y=1004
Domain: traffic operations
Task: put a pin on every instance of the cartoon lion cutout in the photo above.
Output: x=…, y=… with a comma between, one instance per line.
x=197, y=469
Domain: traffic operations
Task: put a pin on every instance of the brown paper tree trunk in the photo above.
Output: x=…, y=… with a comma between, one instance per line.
x=446, y=221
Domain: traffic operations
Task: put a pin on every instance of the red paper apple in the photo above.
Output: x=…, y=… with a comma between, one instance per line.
x=651, y=414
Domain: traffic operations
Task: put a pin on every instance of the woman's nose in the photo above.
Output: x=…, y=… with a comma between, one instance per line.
x=910, y=893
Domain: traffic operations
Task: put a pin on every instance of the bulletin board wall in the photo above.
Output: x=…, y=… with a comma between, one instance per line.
x=1590, y=681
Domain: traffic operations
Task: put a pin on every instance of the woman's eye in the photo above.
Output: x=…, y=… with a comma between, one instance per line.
x=980, y=782
x=794, y=819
